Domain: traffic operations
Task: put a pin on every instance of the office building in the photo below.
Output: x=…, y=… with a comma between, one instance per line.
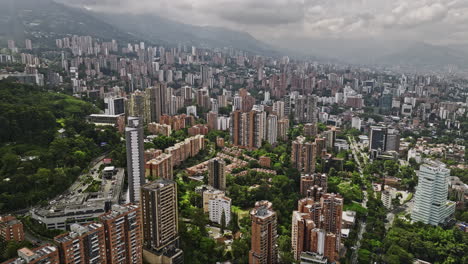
x=264, y=246
x=123, y=229
x=217, y=174
x=378, y=138
x=45, y=254
x=114, y=105
x=430, y=203
x=83, y=244
x=11, y=228
x=160, y=222
x=135, y=157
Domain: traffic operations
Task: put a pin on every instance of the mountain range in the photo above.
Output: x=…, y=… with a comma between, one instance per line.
x=21, y=18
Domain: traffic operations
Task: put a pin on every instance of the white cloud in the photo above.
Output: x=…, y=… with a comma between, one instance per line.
x=424, y=20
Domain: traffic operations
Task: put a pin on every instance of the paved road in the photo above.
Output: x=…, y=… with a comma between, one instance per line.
x=362, y=225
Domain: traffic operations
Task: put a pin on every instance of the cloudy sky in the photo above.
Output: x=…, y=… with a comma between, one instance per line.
x=432, y=21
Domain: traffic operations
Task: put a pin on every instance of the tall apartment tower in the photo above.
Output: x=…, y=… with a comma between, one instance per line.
x=83, y=244
x=216, y=174
x=332, y=209
x=248, y=130
x=272, y=129
x=160, y=226
x=124, y=235
x=316, y=226
x=235, y=127
x=135, y=157
x=157, y=100
x=264, y=248
x=431, y=205
x=311, y=108
x=283, y=128
x=304, y=155
x=136, y=104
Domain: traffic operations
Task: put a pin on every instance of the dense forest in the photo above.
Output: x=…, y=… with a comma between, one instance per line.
x=37, y=161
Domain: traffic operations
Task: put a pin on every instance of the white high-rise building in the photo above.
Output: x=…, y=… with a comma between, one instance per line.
x=431, y=205
x=216, y=208
x=272, y=130
x=192, y=110
x=278, y=108
x=114, y=105
x=237, y=103
x=135, y=157
x=356, y=123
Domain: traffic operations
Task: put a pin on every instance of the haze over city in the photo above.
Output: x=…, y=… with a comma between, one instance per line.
x=233, y=132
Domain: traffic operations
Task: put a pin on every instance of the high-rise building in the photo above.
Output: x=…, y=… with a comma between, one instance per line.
x=378, y=138
x=392, y=141
x=278, y=109
x=160, y=222
x=124, y=236
x=283, y=128
x=332, y=209
x=264, y=247
x=236, y=127
x=310, y=180
x=45, y=254
x=212, y=120
x=11, y=228
x=310, y=129
x=248, y=129
x=272, y=129
x=136, y=104
x=316, y=226
x=135, y=157
x=157, y=102
x=431, y=205
x=356, y=123
x=28, y=44
x=311, y=108
x=303, y=155
x=218, y=207
x=83, y=244
x=216, y=173
x=114, y=105
x=330, y=135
